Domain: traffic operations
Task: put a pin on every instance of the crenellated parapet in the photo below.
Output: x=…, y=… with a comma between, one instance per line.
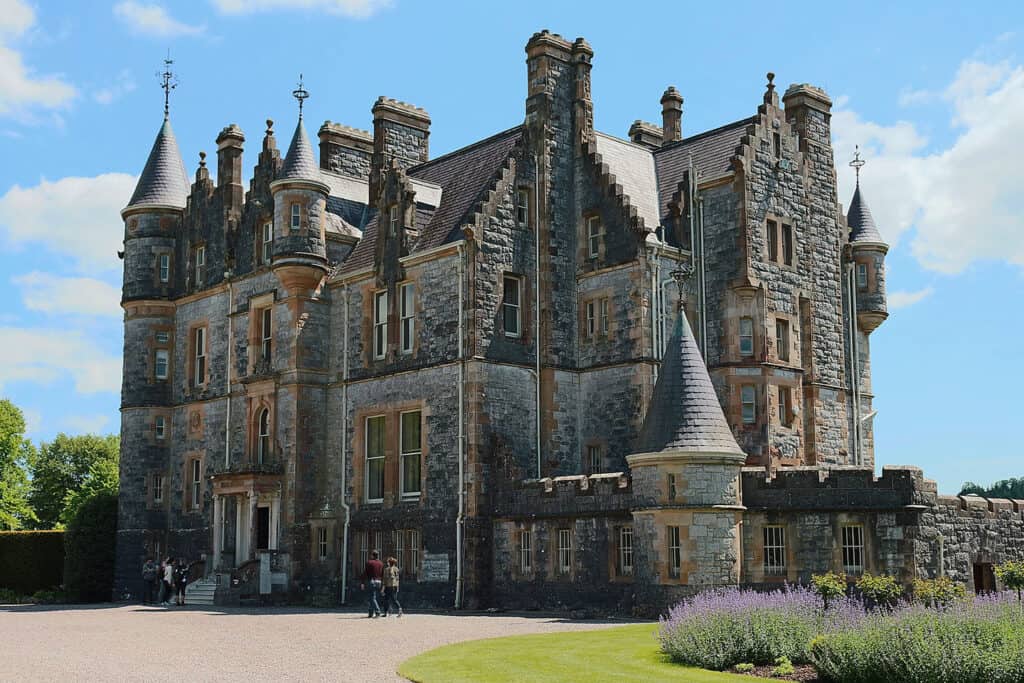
x=605, y=494
x=835, y=488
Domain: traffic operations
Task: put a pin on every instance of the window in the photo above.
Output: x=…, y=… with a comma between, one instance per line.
x=413, y=536
x=160, y=364
x=321, y=543
x=393, y=220
x=523, y=208
x=749, y=404
x=266, y=334
x=378, y=542
x=525, y=551
x=296, y=216
x=773, y=241
x=411, y=451
x=774, y=551
x=398, y=542
x=199, y=364
x=591, y=318
x=777, y=145
x=853, y=548
x=604, y=315
x=380, y=324
x=626, y=551
x=564, y=551
x=268, y=241
x=375, y=459
x=200, y=266
x=675, y=552
x=862, y=276
x=408, y=320
x=594, y=459
x=785, y=406
x=671, y=487
x=160, y=427
x=163, y=337
x=594, y=236
x=787, y=244
x=510, y=305
x=197, y=483
x=782, y=339
x=364, y=549
x=164, y=261
x=158, y=488
x=263, y=436
x=746, y=336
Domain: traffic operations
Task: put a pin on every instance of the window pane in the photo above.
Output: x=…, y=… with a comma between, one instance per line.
x=411, y=432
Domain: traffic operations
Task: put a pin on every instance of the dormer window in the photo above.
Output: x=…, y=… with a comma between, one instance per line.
x=393, y=220
x=296, y=216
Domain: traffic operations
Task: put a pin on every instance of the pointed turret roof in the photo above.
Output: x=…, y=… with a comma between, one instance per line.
x=300, y=164
x=164, y=181
x=685, y=415
x=861, y=222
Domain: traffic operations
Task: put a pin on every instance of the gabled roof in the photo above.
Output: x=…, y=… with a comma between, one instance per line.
x=463, y=176
x=861, y=222
x=164, y=181
x=685, y=415
x=633, y=167
x=712, y=152
x=300, y=163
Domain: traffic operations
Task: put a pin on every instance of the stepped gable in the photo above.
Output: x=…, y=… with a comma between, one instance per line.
x=164, y=182
x=712, y=153
x=861, y=222
x=463, y=175
x=300, y=163
x=685, y=415
x=629, y=167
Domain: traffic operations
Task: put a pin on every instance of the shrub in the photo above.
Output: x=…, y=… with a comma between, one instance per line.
x=938, y=593
x=881, y=591
x=829, y=587
x=31, y=560
x=49, y=597
x=783, y=667
x=1011, y=574
x=89, y=549
x=745, y=667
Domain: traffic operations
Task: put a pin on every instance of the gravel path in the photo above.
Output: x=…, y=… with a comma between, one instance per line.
x=131, y=642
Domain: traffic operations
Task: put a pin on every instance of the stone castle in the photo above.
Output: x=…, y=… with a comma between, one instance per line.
x=552, y=368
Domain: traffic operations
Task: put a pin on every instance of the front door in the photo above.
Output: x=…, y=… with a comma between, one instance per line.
x=263, y=528
x=984, y=577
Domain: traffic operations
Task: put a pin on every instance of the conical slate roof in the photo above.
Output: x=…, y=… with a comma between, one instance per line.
x=300, y=164
x=685, y=414
x=163, y=181
x=861, y=222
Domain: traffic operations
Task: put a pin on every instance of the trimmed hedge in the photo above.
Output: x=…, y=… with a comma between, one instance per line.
x=31, y=560
x=89, y=543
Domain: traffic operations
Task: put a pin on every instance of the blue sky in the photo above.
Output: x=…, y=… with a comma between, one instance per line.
x=933, y=93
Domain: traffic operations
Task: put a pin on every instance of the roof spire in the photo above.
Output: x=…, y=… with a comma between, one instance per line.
x=168, y=82
x=857, y=162
x=301, y=94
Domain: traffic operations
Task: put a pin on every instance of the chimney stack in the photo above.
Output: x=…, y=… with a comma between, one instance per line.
x=647, y=134
x=671, y=116
x=401, y=131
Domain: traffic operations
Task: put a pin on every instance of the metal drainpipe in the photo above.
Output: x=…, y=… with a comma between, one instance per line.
x=344, y=448
x=536, y=298
x=703, y=285
x=462, y=484
x=227, y=384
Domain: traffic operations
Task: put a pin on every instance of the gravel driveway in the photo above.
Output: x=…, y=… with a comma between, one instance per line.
x=131, y=642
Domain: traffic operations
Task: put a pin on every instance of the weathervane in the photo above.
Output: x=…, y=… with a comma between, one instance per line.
x=168, y=81
x=681, y=274
x=301, y=94
x=857, y=162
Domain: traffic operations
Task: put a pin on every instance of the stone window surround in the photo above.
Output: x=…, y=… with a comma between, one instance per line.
x=261, y=241
x=522, y=309
x=152, y=345
x=329, y=528
x=257, y=305
x=790, y=325
x=595, y=298
x=196, y=250
x=589, y=217
x=558, y=552
x=781, y=224
x=391, y=413
x=194, y=383
x=159, y=252
x=616, y=572
x=870, y=272
x=261, y=397
x=402, y=456
x=522, y=191
x=188, y=502
x=407, y=549
x=166, y=415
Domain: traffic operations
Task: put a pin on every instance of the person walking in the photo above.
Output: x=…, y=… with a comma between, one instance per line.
x=149, y=581
x=373, y=574
x=180, y=581
x=166, y=581
x=391, y=573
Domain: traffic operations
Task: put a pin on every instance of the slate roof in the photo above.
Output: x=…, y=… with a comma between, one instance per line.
x=164, y=181
x=712, y=152
x=685, y=414
x=860, y=221
x=463, y=176
x=633, y=166
x=300, y=163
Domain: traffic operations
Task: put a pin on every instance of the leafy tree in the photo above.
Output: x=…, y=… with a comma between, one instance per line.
x=16, y=457
x=102, y=479
x=1012, y=576
x=1005, y=488
x=89, y=543
x=63, y=467
x=829, y=586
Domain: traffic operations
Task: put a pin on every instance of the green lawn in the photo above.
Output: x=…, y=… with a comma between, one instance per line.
x=627, y=653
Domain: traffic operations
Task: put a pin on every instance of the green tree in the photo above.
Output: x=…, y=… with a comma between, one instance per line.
x=102, y=479
x=1005, y=488
x=16, y=457
x=63, y=467
x=89, y=543
x=1012, y=576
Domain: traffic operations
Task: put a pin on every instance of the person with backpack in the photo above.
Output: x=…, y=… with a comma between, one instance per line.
x=180, y=580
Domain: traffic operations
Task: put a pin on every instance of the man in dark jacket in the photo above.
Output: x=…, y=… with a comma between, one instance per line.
x=150, y=582
x=373, y=574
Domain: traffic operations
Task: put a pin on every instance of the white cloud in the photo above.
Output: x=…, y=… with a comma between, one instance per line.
x=87, y=424
x=33, y=421
x=68, y=295
x=910, y=98
x=21, y=90
x=73, y=216
x=123, y=85
x=903, y=299
x=961, y=200
x=44, y=355
x=153, y=20
x=359, y=9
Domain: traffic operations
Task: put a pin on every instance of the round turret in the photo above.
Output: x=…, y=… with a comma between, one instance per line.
x=867, y=252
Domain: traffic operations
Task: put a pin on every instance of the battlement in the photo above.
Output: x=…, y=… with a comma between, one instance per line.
x=390, y=105
x=981, y=507
x=851, y=488
x=349, y=132
x=569, y=496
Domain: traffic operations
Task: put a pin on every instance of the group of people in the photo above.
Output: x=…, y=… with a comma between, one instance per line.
x=377, y=576
x=164, y=581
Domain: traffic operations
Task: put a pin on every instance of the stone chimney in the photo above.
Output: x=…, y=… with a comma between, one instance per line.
x=401, y=131
x=671, y=115
x=647, y=134
x=229, y=168
x=345, y=150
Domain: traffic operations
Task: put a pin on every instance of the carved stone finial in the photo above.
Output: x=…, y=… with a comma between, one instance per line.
x=270, y=126
x=681, y=274
x=769, y=95
x=202, y=160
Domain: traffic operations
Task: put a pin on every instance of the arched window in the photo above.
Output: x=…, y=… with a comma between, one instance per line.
x=263, y=437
